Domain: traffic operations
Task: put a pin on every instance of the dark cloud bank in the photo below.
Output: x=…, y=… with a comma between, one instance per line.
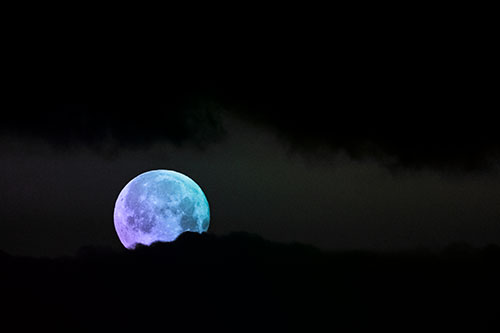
x=408, y=95
x=243, y=283
x=401, y=125
x=413, y=88
x=126, y=124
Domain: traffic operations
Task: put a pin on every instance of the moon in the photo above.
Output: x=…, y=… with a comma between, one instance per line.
x=158, y=206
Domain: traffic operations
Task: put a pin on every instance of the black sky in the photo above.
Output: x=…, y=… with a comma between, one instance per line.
x=367, y=139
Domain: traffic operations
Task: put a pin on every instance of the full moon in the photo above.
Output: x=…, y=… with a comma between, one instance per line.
x=159, y=205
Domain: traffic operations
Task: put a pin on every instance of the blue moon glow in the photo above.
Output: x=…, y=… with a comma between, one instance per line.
x=159, y=205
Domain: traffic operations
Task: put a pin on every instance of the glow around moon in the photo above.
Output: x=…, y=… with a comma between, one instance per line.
x=159, y=205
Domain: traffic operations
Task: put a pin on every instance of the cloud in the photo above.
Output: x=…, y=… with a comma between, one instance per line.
x=130, y=124
x=406, y=115
x=206, y=282
x=400, y=105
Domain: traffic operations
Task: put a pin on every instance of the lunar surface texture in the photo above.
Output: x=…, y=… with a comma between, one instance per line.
x=159, y=205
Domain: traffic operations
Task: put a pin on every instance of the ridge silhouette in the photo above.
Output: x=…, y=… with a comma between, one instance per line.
x=243, y=283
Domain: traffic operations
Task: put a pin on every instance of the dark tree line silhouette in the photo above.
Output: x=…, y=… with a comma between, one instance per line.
x=242, y=283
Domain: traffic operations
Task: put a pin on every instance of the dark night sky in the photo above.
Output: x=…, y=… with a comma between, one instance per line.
x=350, y=155
x=379, y=140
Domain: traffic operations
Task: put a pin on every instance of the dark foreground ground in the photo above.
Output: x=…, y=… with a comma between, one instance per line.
x=241, y=283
